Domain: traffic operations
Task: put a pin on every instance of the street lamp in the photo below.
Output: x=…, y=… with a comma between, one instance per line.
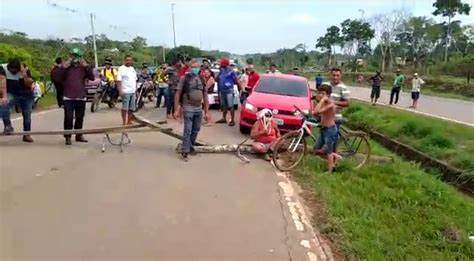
x=172, y=17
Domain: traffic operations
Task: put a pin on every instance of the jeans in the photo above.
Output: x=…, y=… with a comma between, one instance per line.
x=73, y=109
x=192, y=126
x=160, y=92
x=327, y=139
x=169, y=100
x=395, y=92
x=26, y=105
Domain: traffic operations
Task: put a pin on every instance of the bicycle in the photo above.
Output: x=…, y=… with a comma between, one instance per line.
x=291, y=147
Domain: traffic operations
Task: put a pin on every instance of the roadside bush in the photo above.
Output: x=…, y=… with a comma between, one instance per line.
x=437, y=140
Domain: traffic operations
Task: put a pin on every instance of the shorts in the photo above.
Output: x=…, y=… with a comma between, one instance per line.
x=226, y=99
x=375, y=93
x=327, y=140
x=266, y=146
x=415, y=95
x=128, y=101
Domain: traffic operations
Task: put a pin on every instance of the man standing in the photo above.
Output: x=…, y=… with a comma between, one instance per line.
x=162, y=81
x=397, y=86
x=376, y=83
x=253, y=76
x=127, y=86
x=225, y=86
x=56, y=79
x=193, y=92
x=273, y=69
x=415, y=89
x=16, y=89
x=340, y=94
x=74, y=73
x=319, y=80
x=185, y=68
x=173, y=79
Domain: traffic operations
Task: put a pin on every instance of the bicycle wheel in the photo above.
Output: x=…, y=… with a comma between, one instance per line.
x=289, y=151
x=355, y=148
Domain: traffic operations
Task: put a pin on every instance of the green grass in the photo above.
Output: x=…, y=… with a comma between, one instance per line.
x=393, y=211
x=48, y=100
x=447, y=141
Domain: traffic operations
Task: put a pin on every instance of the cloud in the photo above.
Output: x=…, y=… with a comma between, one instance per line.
x=302, y=19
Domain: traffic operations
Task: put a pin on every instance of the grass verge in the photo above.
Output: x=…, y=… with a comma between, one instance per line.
x=447, y=141
x=393, y=211
x=48, y=100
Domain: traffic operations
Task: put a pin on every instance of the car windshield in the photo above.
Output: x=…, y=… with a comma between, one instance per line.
x=282, y=86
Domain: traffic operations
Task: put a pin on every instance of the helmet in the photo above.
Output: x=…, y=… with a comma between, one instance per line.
x=76, y=52
x=264, y=113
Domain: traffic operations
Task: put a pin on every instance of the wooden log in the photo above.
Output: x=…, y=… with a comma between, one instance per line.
x=113, y=129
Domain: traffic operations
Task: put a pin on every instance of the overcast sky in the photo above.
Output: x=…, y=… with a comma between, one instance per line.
x=237, y=26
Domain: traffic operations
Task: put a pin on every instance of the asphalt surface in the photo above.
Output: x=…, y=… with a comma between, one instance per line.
x=445, y=108
x=74, y=202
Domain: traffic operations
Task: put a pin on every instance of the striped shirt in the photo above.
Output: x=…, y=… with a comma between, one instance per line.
x=339, y=92
x=376, y=80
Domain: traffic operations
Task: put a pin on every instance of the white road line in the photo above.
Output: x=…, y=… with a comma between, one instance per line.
x=37, y=113
x=418, y=112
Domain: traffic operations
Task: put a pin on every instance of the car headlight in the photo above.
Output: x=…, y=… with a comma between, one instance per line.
x=250, y=107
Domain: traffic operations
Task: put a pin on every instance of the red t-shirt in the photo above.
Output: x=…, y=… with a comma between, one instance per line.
x=253, y=79
x=267, y=137
x=183, y=71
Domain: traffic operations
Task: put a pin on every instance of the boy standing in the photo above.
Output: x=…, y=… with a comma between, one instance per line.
x=127, y=86
x=326, y=142
x=415, y=89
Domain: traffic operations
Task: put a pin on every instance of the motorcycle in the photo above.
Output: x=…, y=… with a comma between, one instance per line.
x=145, y=90
x=106, y=93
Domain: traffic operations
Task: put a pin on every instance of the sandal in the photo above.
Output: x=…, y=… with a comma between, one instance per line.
x=232, y=123
x=221, y=121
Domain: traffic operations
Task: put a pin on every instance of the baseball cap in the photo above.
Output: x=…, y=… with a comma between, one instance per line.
x=225, y=61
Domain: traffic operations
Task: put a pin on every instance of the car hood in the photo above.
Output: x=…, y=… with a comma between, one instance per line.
x=280, y=102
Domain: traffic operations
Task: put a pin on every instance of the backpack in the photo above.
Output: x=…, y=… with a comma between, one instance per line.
x=105, y=70
x=186, y=86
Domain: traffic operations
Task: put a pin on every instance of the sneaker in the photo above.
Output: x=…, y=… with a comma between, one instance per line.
x=184, y=157
x=8, y=130
x=68, y=141
x=27, y=138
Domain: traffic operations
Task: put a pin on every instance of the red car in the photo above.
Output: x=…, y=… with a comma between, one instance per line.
x=279, y=93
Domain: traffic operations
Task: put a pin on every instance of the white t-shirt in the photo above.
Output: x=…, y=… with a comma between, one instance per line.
x=128, y=77
x=416, y=84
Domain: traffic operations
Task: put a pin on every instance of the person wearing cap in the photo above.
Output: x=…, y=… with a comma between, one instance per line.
x=74, y=73
x=397, y=86
x=110, y=75
x=16, y=88
x=225, y=86
x=264, y=133
x=415, y=89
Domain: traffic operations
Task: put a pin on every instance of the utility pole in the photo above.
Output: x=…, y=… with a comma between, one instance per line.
x=174, y=31
x=200, y=41
x=93, y=41
x=164, y=56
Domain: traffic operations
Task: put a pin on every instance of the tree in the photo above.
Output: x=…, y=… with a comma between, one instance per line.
x=249, y=60
x=449, y=8
x=329, y=41
x=356, y=36
x=385, y=28
x=138, y=43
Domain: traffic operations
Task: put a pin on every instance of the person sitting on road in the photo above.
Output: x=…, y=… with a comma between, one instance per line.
x=264, y=133
x=326, y=110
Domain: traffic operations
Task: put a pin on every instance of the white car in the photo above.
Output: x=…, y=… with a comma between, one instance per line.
x=213, y=97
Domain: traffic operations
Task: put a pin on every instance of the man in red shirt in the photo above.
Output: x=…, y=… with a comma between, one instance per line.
x=253, y=76
x=185, y=68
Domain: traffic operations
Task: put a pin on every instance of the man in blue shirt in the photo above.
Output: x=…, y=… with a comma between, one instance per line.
x=319, y=80
x=225, y=86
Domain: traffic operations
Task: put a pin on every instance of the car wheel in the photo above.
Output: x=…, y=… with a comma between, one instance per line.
x=244, y=130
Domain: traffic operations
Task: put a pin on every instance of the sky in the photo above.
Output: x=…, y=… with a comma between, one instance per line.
x=237, y=26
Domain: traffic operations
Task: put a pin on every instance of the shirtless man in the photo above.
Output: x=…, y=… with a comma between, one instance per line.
x=326, y=142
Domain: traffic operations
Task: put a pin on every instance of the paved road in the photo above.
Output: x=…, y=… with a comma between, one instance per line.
x=76, y=203
x=452, y=109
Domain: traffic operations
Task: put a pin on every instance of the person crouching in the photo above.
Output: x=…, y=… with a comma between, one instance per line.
x=264, y=133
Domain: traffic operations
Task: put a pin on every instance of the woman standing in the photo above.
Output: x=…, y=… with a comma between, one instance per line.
x=209, y=82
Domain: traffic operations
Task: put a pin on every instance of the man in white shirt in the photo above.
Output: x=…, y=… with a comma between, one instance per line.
x=273, y=69
x=127, y=86
x=415, y=89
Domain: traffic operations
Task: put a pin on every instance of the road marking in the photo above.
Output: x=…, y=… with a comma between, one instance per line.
x=36, y=114
x=419, y=112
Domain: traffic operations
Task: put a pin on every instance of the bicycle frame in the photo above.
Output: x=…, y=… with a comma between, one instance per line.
x=302, y=130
